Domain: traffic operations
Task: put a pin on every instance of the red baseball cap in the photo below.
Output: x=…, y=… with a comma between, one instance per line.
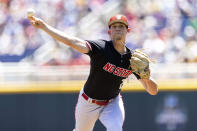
x=118, y=19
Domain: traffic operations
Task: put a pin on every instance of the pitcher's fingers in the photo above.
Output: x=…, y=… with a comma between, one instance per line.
x=32, y=22
x=31, y=18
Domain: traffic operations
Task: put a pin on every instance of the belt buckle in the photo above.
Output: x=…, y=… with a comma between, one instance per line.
x=89, y=100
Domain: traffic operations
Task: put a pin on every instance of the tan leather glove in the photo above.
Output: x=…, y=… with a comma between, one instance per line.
x=139, y=64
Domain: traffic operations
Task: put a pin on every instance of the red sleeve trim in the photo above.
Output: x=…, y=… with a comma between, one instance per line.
x=89, y=45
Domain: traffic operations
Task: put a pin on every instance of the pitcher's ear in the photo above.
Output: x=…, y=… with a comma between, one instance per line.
x=109, y=32
x=129, y=29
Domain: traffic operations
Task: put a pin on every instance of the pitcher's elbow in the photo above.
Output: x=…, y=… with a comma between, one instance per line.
x=154, y=92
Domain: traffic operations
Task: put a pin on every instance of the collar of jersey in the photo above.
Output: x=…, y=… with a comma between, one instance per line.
x=127, y=53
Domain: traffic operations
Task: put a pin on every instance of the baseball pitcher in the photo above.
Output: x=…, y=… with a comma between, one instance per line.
x=111, y=62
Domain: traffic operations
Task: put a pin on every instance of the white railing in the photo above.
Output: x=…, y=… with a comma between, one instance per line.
x=24, y=72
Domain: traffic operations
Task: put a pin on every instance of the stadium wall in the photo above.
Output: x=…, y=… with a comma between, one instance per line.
x=55, y=111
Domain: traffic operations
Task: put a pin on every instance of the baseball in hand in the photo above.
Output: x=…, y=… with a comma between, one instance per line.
x=30, y=12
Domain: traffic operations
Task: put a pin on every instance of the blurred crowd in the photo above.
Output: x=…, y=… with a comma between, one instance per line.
x=165, y=29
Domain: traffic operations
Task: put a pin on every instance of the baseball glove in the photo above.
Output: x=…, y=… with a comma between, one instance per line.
x=139, y=64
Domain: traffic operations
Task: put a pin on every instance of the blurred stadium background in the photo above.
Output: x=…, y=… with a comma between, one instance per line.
x=40, y=77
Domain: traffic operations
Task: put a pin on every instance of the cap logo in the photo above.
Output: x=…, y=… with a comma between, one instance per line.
x=118, y=18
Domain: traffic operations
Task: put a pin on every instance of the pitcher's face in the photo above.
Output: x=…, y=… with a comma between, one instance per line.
x=118, y=31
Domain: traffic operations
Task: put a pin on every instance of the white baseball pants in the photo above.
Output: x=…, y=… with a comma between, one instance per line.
x=111, y=116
